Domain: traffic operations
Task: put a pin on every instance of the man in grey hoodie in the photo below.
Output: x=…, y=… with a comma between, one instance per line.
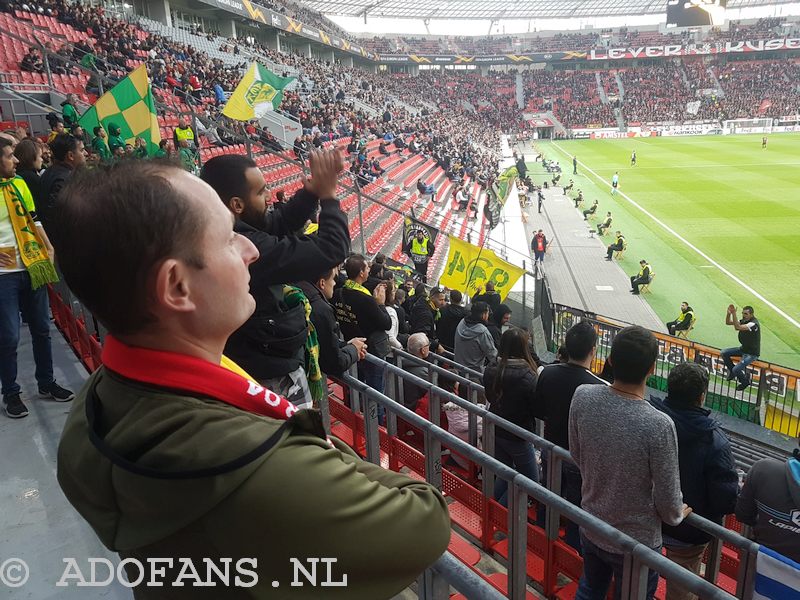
x=474, y=345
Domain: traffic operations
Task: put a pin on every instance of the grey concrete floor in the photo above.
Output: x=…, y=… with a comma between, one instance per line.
x=37, y=524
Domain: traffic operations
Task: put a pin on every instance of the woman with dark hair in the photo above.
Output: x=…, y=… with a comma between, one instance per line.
x=29, y=155
x=510, y=384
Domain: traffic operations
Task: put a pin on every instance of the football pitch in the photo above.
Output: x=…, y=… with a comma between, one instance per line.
x=718, y=218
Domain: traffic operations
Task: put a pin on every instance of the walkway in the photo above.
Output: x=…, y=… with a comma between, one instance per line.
x=576, y=269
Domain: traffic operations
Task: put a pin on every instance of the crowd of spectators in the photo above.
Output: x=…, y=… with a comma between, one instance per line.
x=670, y=452
x=759, y=88
x=562, y=42
x=571, y=95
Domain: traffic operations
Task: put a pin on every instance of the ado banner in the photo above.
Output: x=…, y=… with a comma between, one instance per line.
x=469, y=267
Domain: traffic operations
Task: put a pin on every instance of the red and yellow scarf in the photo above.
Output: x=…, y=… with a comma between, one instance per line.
x=227, y=382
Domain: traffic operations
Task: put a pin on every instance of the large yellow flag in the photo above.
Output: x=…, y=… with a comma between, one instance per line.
x=469, y=267
x=259, y=92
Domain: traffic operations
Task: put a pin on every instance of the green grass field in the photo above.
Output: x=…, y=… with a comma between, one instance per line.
x=734, y=202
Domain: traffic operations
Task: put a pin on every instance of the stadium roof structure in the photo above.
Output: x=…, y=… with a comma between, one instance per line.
x=501, y=9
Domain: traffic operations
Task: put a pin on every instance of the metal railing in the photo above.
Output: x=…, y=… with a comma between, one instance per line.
x=638, y=558
x=770, y=401
x=85, y=335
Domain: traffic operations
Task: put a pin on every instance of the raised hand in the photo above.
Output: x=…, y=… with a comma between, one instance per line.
x=325, y=167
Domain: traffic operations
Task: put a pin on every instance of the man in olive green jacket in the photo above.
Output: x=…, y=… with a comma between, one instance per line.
x=167, y=458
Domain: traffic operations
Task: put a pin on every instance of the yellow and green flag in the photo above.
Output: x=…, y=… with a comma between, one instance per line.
x=259, y=92
x=131, y=107
x=469, y=267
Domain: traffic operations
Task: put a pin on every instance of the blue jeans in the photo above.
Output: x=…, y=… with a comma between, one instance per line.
x=740, y=370
x=598, y=567
x=16, y=295
x=519, y=455
x=372, y=375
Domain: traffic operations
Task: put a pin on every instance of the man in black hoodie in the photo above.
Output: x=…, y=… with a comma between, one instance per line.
x=709, y=481
x=499, y=318
x=335, y=355
x=491, y=297
x=363, y=315
x=270, y=346
x=425, y=314
x=449, y=318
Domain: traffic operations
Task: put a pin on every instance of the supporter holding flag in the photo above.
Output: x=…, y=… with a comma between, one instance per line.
x=204, y=468
x=99, y=145
x=271, y=344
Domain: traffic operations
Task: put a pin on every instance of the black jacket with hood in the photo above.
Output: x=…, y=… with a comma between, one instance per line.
x=495, y=324
x=335, y=354
x=271, y=342
x=709, y=481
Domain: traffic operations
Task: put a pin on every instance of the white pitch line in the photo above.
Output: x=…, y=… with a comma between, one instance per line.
x=689, y=244
x=638, y=168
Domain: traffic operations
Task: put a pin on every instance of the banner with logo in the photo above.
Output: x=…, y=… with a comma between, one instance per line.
x=469, y=267
x=412, y=226
x=259, y=92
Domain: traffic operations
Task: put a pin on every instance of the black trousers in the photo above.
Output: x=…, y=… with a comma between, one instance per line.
x=422, y=269
x=636, y=281
x=613, y=248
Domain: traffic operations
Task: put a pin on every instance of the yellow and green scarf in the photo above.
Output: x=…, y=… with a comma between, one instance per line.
x=354, y=285
x=31, y=248
x=293, y=296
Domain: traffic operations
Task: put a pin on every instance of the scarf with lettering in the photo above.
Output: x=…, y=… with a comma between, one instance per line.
x=354, y=285
x=31, y=247
x=226, y=382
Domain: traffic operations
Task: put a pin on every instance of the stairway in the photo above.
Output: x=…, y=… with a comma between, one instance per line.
x=600, y=89
x=620, y=119
x=519, y=90
x=620, y=86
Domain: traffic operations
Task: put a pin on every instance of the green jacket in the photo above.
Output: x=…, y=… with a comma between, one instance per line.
x=278, y=491
x=100, y=148
x=69, y=114
x=188, y=159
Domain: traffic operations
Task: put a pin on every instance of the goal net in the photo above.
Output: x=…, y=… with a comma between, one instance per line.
x=759, y=125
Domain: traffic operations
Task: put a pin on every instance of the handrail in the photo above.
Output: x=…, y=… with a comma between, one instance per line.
x=463, y=579
x=520, y=486
x=555, y=456
x=776, y=384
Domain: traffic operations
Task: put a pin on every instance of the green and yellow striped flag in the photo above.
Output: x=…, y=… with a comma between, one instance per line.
x=259, y=92
x=131, y=107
